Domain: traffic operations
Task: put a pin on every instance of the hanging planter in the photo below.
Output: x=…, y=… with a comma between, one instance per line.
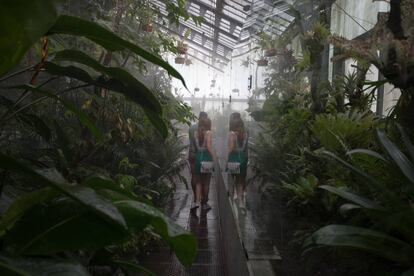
x=148, y=27
x=182, y=48
x=235, y=90
x=188, y=62
x=180, y=60
x=262, y=62
x=196, y=89
x=270, y=52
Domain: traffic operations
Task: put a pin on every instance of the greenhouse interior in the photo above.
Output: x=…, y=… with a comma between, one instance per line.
x=207, y=137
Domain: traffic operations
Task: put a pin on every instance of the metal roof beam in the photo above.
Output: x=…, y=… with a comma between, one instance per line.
x=201, y=45
x=208, y=64
x=213, y=10
x=217, y=20
x=213, y=26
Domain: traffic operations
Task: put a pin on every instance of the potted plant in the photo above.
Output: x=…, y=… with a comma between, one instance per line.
x=148, y=27
x=145, y=14
x=269, y=45
x=180, y=60
x=247, y=62
x=213, y=83
x=271, y=52
x=262, y=62
x=181, y=46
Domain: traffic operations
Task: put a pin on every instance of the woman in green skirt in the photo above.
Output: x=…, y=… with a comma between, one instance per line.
x=204, y=164
x=238, y=157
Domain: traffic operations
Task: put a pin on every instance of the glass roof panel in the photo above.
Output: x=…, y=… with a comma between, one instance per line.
x=234, y=26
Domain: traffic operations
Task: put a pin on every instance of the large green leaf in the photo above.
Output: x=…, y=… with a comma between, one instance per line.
x=103, y=183
x=347, y=207
x=182, y=242
x=68, y=71
x=38, y=266
x=82, y=116
x=407, y=142
x=22, y=204
x=61, y=226
x=79, y=27
x=22, y=24
x=134, y=89
x=111, y=84
x=86, y=196
x=63, y=143
x=400, y=159
x=362, y=201
x=158, y=122
x=400, y=221
x=367, y=152
x=38, y=124
x=372, y=182
x=360, y=238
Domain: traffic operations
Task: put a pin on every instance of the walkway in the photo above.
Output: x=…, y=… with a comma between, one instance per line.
x=256, y=233
x=229, y=243
x=204, y=225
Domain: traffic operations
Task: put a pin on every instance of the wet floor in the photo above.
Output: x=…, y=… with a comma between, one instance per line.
x=254, y=233
x=206, y=228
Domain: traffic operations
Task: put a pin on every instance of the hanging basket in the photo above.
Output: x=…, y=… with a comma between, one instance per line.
x=148, y=27
x=262, y=62
x=182, y=48
x=270, y=52
x=180, y=60
x=196, y=89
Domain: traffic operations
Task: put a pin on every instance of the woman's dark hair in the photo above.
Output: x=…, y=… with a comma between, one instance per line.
x=202, y=115
x=233, y=116
x=204, y=124
x=236, y=124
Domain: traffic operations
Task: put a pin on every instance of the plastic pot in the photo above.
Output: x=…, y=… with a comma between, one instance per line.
x=149, y=28
x=270, y=52
x=262, y=62
x=180, y=60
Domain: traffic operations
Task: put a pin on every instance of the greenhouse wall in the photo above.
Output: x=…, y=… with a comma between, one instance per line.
x=352, y=19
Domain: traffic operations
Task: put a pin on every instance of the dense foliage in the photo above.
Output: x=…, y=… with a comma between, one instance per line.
x=89, y=147
x=336, y=165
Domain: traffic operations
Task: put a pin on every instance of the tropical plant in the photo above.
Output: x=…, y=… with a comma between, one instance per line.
x=60, y=151
x=303, y=189
x=389, y=233
x=343, y=131
x=392, y=37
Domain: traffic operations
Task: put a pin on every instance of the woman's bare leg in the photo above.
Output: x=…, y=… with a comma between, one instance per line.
x=205, y=187
x=234, y=182
x=240, y=187
x=199, y=191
